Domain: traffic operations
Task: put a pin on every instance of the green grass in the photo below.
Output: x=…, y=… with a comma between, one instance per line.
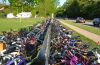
x=15, y=24
x=88, y=41
x=84, y=39
x=85, y=27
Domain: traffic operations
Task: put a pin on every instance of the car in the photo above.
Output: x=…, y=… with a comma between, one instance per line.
x=96, y=22
x=80, y=20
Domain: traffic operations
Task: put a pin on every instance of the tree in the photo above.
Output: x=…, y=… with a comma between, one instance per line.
x=47, y=7
x=4, y=10
x=70, y=9
x=84, y=8
x=44, y=7
x=73, y=9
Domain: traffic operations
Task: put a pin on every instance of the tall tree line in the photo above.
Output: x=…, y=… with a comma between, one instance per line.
x=80, y=8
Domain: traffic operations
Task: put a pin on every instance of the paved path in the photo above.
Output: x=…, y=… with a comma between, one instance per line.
x=87, y=34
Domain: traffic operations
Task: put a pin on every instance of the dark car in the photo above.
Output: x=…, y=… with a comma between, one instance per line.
x=96, y=22
x=80, y=20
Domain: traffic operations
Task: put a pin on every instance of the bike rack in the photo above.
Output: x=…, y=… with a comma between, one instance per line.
x=43, y=54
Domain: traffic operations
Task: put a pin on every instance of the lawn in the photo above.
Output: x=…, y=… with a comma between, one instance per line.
x=85, y=27
x=15, y=24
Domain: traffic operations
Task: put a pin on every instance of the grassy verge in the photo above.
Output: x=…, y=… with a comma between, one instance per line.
x=15, y=24
x=83, y=38
x=85, y=27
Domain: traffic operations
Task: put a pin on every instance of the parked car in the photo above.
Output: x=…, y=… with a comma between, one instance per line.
x=96, y=22
x=80, y=20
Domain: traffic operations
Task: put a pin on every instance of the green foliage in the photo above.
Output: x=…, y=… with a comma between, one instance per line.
x=5, y=11
x=44, y=7
x=73, y=9
x=60, y=12
x=85, y=8
x=33, y=12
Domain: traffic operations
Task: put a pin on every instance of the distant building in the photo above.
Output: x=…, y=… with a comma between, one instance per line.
x=24, y=15
x=20, y=15
x=10, y=15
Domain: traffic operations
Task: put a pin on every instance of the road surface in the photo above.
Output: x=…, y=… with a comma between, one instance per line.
x=86, y=23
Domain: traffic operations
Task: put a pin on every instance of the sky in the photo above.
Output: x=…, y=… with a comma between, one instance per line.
x=61, y=2
x=6, y=2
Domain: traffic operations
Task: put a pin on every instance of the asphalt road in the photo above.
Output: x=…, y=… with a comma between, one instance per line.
x=86, y=23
